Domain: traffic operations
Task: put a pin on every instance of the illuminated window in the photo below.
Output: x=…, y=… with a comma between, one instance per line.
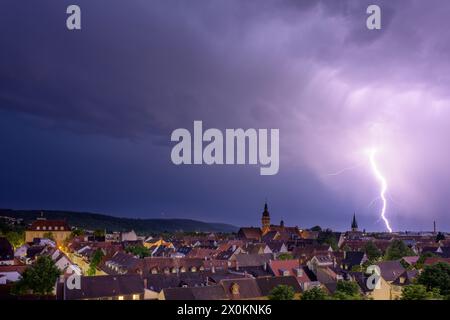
x=136, y=297
x=44, y=228
x=120, y=297
x=49, y=228
x=38, y=228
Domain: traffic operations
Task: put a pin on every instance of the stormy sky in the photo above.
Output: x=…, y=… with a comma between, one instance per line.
x=86, y=116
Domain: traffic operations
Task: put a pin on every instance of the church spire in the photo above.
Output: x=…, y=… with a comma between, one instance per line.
x=265, y=219
x=354, y=223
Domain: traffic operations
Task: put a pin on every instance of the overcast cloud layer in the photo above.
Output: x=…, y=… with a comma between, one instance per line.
x=86, y=117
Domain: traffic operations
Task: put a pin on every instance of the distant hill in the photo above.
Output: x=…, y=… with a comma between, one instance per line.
x=92, y=221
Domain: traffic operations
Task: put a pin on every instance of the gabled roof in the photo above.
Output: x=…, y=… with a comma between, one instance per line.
x=49, y=225
x=105, y=286
x=434, y=260
x=408, y=276
x=271, y=235
x=275, y=246
x=278, y=266
x=250, y=233
x=124, y=260
x=214, y=292
x=246, y=288
x=252, y=260
x=391, y=270
x=266, y=284
x=353, y=258
x=445, y=252
x=157, y=282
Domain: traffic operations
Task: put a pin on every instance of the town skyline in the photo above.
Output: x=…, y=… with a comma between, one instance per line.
x=43, y=212
x=362, y=115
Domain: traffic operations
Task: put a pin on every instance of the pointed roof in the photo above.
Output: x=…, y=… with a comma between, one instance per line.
x=354, y=223
x=266, y=211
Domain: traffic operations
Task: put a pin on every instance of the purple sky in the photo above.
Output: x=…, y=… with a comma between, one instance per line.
x=86, y=117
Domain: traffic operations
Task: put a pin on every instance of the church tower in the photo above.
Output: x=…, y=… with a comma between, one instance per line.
x=354, y=223
x=265, y=220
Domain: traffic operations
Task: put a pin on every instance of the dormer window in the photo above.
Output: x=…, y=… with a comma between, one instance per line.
x=49, y=228
x=44, y=228
x=38, y=228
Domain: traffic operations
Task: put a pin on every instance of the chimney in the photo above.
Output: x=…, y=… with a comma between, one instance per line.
x=299, y=272
x=233, y=247
x=237, y=266
x=213, y=269
x=434, y=227
x=265, y=266
x=145, y=283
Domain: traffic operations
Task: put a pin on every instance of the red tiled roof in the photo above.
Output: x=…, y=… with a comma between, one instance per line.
x=17, y=268
x=49, y=225
x=277, y=266
x=434, y=260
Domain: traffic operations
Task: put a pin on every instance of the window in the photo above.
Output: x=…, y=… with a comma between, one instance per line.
x=38, y=228
x=44, y=228
x=120, y=297
x=136, y=297
x=49, y=228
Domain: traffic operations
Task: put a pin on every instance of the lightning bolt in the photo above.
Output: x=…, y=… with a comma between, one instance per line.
x=383, y=186
x=343, y=170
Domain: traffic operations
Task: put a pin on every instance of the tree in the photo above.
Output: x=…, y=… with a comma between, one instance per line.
x=419, y=292
x=316, y=228
x=329, y=238
x=440, y=237
x=347, y=290
x=15, y=238
x=95, y=261
x=139, y=251
x=77, y=232
x=397, y=250
x=422, y=258
x=315, y=293
x=282, y=292
x=39, y=279
x=99, y=233
x=436, y=276
x=285, y=256
x=372, y=251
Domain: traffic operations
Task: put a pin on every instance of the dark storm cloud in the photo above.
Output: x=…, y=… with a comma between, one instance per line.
x=140, y=69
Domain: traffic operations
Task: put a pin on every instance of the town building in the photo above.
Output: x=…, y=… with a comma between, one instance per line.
x=59, y=230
